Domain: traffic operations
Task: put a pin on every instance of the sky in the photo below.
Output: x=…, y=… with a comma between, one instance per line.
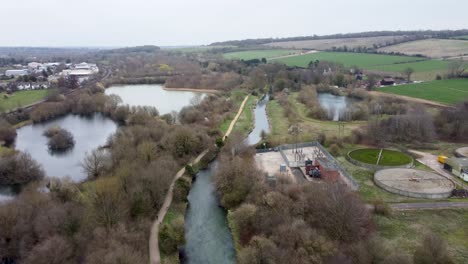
x=120, y=23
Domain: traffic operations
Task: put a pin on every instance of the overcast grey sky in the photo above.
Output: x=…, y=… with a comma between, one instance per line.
x=190, y=22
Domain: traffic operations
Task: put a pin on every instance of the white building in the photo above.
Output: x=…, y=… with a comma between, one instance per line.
x=16, y=72
x=86, y=66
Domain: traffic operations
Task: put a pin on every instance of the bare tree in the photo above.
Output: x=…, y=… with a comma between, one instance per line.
x=95, y=163
x=408, y=72
x=456, y=68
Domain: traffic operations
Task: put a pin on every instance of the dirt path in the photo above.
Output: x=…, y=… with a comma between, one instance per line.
x=431, y=161
x=411, y=99
x=293, y=55
x=155, y=255
x=231, y=126
x=429, y=206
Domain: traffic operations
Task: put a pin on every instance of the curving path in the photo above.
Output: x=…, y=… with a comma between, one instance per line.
x=155, y=255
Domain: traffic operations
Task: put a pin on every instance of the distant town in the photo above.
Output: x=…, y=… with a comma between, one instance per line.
x=37, y=75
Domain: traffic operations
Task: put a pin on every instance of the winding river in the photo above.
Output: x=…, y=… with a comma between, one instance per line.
x=261, y=121
x=207, y=235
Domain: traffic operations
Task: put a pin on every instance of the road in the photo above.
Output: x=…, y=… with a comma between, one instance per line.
x=429, y=206
x=430, y=161
x=155, y=255
x=410, y=99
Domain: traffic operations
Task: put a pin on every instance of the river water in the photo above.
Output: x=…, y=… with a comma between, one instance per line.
x=165, y=101
x=207, y=234
x=208, y=238
x=261, y=121
x=333, y=104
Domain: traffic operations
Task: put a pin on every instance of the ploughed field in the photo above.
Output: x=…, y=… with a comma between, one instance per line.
x=388, y=158
x=434, y=48
x=444, y=91
x=258, y=54
x=328, y=44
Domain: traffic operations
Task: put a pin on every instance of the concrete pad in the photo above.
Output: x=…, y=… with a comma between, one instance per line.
x=270, y=163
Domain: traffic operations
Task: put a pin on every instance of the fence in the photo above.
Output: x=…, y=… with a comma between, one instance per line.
x=332, y=161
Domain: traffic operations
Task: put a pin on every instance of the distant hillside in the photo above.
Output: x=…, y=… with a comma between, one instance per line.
x=415, y=34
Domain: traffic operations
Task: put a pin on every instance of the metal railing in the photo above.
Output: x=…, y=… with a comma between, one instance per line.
x=332, y=161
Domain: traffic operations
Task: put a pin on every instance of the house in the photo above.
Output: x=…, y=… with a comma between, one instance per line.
x=33, y=66
x=16, y=72
x=387, y=81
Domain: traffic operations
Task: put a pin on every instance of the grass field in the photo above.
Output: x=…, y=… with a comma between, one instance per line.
x=328, y=44
x=258, y=54
x=21, y=99
x=388, y=158
x=405, y=230
x=434, y=48
x=443, y=91
x=310, y=127
x=424, y=69
x=462, y=37
x=348, y=59
x=237, y=96
x=245, y=122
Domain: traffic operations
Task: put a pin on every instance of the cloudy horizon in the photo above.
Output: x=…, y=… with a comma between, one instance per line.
x=118, y=23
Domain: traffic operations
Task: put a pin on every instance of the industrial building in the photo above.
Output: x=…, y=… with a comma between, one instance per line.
x=15, y=73
x=458, y=167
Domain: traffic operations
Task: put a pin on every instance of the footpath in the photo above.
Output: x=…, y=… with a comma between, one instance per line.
x=155, y=255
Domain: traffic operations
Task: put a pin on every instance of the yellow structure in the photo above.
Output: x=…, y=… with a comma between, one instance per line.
x=442, y=159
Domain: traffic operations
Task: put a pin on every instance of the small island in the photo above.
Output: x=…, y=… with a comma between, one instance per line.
x=59, y=139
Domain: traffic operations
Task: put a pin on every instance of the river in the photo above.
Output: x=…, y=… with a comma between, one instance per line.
x=261, y=121
x=165, y=101
x=208, y=237
x=333, y=104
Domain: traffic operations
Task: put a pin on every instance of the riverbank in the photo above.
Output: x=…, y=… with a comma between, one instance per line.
x=192, y=90
x=154, y=250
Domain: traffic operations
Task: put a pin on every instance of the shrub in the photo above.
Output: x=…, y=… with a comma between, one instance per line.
x=7, y=132
x=59, y=138
x=172, y=235
x=381, y=208
x=433, y=250
x=19, y=168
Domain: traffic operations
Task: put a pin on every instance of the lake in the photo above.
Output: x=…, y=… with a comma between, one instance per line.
x=165, y=101
x=89, y=133
x=333, y=104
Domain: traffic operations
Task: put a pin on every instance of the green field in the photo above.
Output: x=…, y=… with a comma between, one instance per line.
x=405, y=230
x=388, y=158
x=245, y=122
x=443, y=91
x=22, y=98
x=462, y=37
x=348, y=59
x=258, y=54
x=424, y=69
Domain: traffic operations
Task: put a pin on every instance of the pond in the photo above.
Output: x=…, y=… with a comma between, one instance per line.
x=7, y=193
x=89, y=133
x=155, y=95
x=208, y=238
x=260, y=122
x=333, y=104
